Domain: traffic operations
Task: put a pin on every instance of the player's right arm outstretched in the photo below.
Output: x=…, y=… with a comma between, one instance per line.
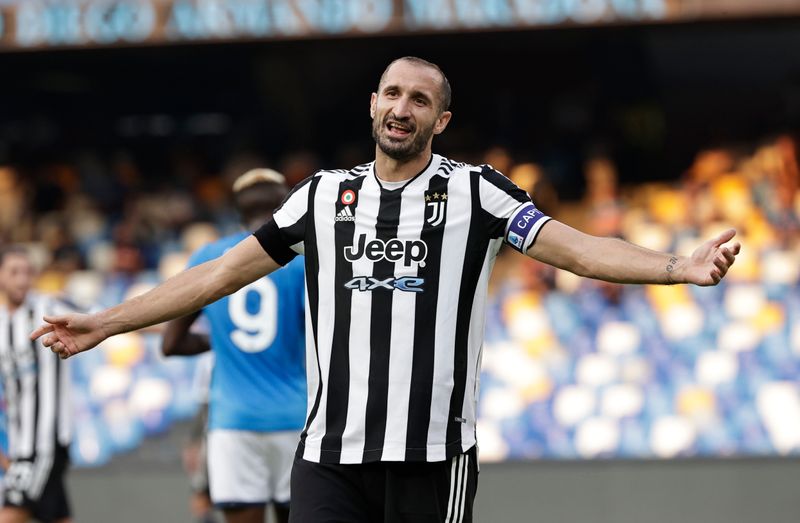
x=182, y=294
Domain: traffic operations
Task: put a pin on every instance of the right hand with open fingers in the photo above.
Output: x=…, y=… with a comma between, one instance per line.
x=69, y=334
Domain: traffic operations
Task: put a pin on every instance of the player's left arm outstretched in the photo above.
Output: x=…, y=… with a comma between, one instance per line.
x=615, y=260
x=70, y=334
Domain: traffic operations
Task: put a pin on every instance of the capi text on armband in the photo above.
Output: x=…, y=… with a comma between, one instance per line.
x=523, y=225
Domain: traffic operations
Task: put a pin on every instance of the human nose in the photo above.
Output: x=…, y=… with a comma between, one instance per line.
x=402, y=107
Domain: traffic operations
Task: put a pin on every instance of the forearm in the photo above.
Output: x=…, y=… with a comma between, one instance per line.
x=191, y=289
x=609, y=259
x=180, y=295
x=618, y=261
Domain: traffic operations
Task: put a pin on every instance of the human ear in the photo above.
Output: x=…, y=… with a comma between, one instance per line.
x=442, y=121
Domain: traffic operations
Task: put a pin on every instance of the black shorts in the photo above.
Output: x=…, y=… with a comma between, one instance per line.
x=387, y=492
x=38, y=486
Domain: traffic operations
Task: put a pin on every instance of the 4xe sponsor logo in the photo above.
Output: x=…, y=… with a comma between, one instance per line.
x=370, y=283
x=410, y=251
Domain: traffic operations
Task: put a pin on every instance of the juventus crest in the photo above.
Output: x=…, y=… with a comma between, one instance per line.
x=435, y=207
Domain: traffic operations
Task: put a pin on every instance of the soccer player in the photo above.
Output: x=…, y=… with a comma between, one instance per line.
x=398, y=253
x=36, y=387
x=257, y=400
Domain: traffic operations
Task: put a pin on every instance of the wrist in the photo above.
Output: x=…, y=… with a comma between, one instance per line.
x=105, y=323
x=671, y=269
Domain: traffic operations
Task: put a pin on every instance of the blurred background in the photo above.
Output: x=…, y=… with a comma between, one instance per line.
x=124, y=122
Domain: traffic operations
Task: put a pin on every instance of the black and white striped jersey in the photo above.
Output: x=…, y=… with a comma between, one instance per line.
x=396, y=283
x=35, y=384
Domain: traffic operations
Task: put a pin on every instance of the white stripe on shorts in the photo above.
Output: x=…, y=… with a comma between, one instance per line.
x=458, y=487
x=464, y=489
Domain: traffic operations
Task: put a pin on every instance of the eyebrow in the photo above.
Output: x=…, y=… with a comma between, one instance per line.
x=414, y=92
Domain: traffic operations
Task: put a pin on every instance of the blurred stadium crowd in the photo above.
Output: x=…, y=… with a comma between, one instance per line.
x=572, y=368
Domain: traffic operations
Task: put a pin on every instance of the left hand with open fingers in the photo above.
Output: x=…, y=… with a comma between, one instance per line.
x=710, y=262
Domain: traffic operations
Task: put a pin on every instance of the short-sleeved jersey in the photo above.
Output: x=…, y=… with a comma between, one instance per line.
x=396, y=283
x=258, y=382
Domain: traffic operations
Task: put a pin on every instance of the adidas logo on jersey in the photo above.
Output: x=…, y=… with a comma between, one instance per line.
x=345, y=215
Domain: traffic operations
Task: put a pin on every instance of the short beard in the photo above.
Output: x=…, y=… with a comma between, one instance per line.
x=401, y=151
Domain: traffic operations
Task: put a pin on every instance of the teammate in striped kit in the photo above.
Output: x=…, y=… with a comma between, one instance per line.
x=36, y=387
x=396, y=298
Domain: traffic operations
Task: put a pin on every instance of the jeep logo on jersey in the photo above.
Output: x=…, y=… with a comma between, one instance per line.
x=410, y=251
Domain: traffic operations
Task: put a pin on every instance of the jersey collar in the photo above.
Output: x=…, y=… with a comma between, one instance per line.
x=430, y=168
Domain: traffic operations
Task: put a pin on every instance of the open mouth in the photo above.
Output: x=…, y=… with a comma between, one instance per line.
x=398, y=130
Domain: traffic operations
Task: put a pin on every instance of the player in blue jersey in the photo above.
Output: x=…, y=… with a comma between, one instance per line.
x=257, y=401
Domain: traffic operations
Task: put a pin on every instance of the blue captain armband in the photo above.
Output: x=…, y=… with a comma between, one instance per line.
x=523, y=227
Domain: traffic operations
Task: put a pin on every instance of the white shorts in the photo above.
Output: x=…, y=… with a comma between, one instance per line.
x=250, y=468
